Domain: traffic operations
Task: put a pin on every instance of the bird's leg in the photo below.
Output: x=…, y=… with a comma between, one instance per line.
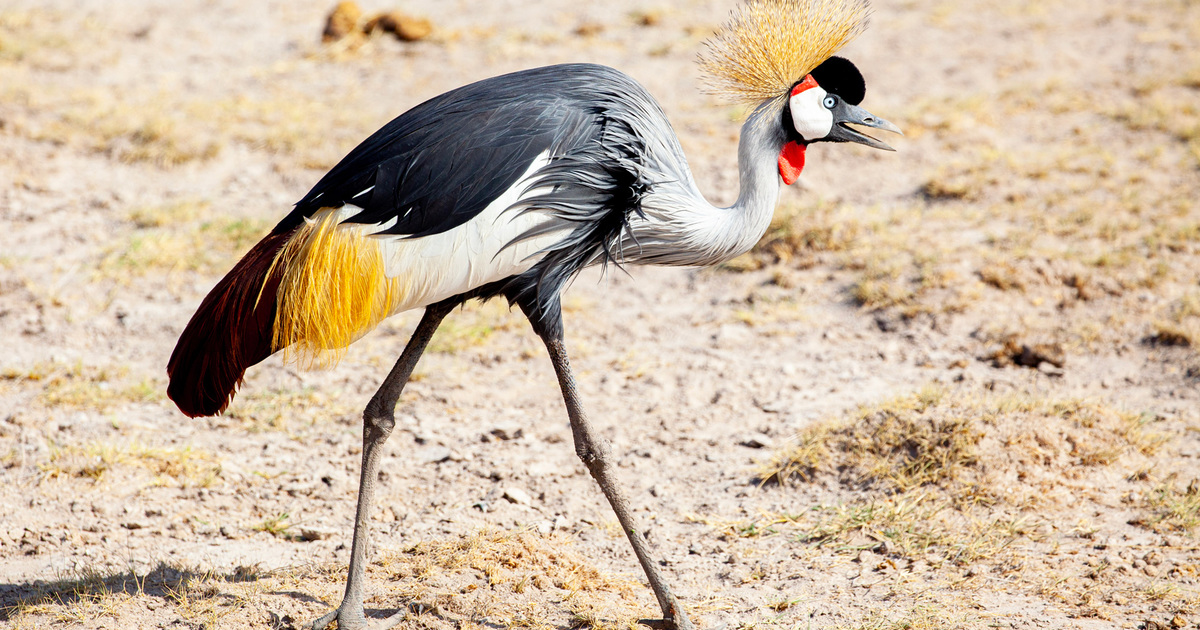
x=596, y=455
x=378, y=422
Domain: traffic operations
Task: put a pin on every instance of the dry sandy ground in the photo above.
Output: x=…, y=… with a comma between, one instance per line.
x=955, y=386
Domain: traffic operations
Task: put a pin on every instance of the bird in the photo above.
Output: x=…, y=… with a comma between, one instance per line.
x=509, y=187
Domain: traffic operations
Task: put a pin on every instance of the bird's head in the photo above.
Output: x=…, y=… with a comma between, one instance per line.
x=820, y=108
x=766, y=45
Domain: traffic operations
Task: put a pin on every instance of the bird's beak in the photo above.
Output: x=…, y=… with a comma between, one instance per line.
x=847, y=114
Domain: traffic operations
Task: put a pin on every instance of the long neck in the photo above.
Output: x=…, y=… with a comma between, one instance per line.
x=682, y=228
x=758, y=177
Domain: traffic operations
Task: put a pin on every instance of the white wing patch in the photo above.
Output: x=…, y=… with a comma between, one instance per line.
x=435, y=267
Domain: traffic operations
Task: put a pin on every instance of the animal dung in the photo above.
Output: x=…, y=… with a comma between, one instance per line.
x=404, y=27
x=342, y=21
x=346, y=20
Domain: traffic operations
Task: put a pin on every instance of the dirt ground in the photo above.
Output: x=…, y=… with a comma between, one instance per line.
x=955, y=386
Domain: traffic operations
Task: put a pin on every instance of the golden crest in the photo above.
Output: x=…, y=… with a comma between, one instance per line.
x=767, y=45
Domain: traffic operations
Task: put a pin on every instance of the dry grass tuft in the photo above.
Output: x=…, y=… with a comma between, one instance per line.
x=1173, y=508
x=80, y=386
x=504, y=577
x=1182, y=328
x=169, y=214
x=180, y=236
x=299, y=130
x=89, y=594
x=186, y=467
x=43, y=39
x=919, y=456
x=277, y=525
x=995, y=490
x=797, y=232
x=273, y=409
x=895, y=447
x=1015, y=351
x=934, y=615
x=156, y=129
x=507, y=558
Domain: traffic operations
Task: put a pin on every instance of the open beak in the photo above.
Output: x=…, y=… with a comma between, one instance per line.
x=846, y=114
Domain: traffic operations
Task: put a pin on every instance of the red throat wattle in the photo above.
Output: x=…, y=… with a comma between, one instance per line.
x=791, y=162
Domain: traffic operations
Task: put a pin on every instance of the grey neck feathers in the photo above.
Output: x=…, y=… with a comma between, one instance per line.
x=682, y=228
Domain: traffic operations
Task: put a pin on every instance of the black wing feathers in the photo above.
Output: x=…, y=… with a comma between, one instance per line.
x=441, y=163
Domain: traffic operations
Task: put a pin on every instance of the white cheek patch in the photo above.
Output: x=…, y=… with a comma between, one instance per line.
x=810, y=118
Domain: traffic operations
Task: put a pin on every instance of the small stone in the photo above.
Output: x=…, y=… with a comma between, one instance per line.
x=507, y=431
x=1178, y=621
x=518, y=496
x=778, y=405
x=589, y=29
x=757, y=440
x=433, y=454
x=1038, y=353
x=649, y=18
x=1049, y=369
x=544, y=527
x=297, y=489
x=332, y=478
x=869, y=560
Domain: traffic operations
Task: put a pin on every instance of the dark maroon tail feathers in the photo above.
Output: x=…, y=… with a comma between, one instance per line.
x=230, y=332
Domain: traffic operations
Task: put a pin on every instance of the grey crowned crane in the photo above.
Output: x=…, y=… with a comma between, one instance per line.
x=509, y=187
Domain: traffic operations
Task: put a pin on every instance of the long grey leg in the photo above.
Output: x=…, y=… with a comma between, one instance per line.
x=596, y=455
x=378, y=422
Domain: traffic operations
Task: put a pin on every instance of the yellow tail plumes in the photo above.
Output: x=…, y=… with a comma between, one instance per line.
x=332, y=290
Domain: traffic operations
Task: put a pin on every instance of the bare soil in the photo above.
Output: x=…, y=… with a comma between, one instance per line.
x=955, y=386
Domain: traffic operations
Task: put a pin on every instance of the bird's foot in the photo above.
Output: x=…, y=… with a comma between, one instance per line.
x=668, y=623
x=350, y=616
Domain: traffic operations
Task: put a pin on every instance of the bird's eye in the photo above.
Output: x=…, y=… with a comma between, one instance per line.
x=830, y=102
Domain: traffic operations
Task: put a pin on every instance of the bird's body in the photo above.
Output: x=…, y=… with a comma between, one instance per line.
x=543, y=172
x=509, y=187
x=574, y=159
